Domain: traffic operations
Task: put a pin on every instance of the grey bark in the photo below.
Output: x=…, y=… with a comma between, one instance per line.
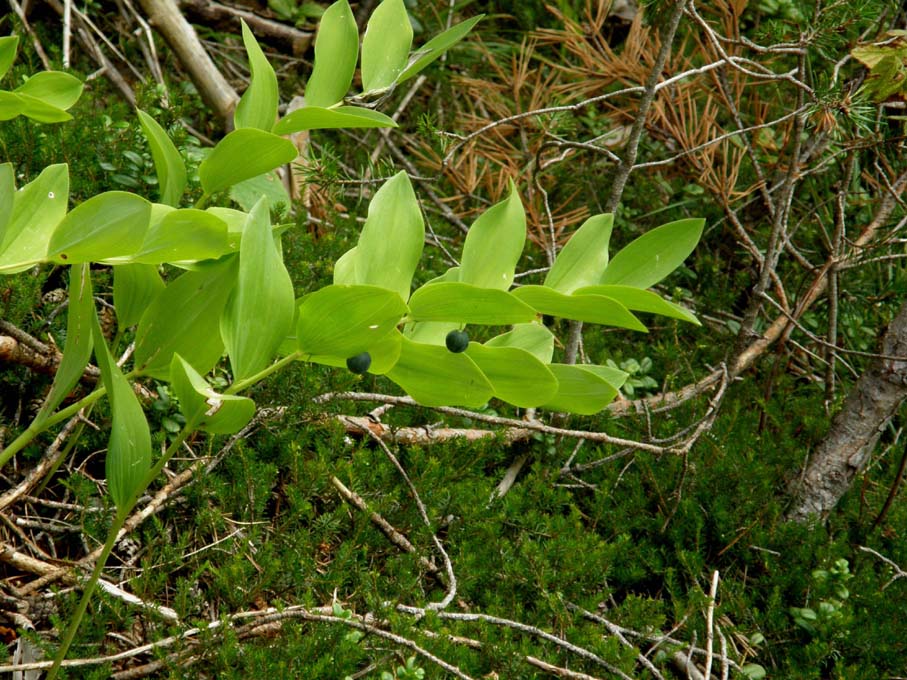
x=855, y=430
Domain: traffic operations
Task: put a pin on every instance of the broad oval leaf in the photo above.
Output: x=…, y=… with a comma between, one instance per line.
x=257, y=108
x=640, y=300
x=589, y=308
x=129, y=448
x=320, y=118
x=112, y=224
x=183, y=235
x=202, y=406
x=8, y=47
x=494, y=244
x=580, y=390
x=391, y=241
x=583, y=259
x=7, y=195
x=385, y=45
x=247, y=192
x=168, y=164
x=134, y=287
x=436, y=377
x=430, y=332
x=184, y=319
x=345, y=268
x=346, y=320
x=336, y=53
x=647, y=260
x=40, y=111
x=532, y=337
x=384, y=353
x=11, y=105
x=79, y=341
x=517, y=376
x=242, y=154
x=464, y=303
x=54, y=88
x=437, y=46
x=260, y=311
x=38, y=208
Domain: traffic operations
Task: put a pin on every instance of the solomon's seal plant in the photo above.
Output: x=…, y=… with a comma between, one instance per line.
x=227, y=292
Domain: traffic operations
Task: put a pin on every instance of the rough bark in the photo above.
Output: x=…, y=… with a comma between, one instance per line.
x=855, y=430
x=217, y=93
x=297, y=40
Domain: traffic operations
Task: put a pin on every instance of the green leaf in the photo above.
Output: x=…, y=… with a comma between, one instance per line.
x=7, y=195
x=129, y=448
x=257, y=108
x=647, y=260
x=580, y=390
x=38, y=208
x=54, y=88
x=319, y=118
x=532, y=337
x=437, y=46
x=464, y=303
x=385, y=45
x=391, y=240
x=134, y=287
x=202, y=406
x=41, y=111
x=79, y=320
x=8, y=46
x=184, y=319
x=639, y=300
x=336, y=53
x=384, y=352
x=11, y=105
x=494, y=244
x=430, y=332
x=345, y=268
x=182, y=235
x=242, y=154
x=753, y=671
x=590, y=308
x=436, y=377
x=346, y=320
x=247, y=193
x=583, y=259
x=112, y=224
x=260, y=311
x=517, y=376
x=168, y=164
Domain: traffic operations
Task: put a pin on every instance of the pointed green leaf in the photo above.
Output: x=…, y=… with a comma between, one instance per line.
x=38, y=208
x=112, y=224
x=247, y=193
x=11, y=105
x=590, y=308
x=464, y=303
x=260, y=311
x=385, y=45
x=257, y=108
x=647, y=260
x=134, y=287
x=494, y=244
x=384, y=353
x=336, y=53
x=242, y=154
x=613, y=376
x=517, y=376
x=41, y=111
x=8, y=46
x=186, y=234
x=640, y=300
x=436, y=377
x=201, y=405
x=345, y=268
x=7, y=195
x=346, y=320
x=79, y=322
x=55, y=88
x=430, y=332
x=391, y=241
x=168, y=164
x=437, y=46
x=532, y=337
x=319, y=118
x=580, y=390
x=184, y=319
x=583, y=259
x=129, y=448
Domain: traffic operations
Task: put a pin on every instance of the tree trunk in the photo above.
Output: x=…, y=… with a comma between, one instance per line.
x=855, y=430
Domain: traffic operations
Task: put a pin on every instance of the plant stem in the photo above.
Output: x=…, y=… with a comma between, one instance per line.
x=240, y=385
x=202, y=202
